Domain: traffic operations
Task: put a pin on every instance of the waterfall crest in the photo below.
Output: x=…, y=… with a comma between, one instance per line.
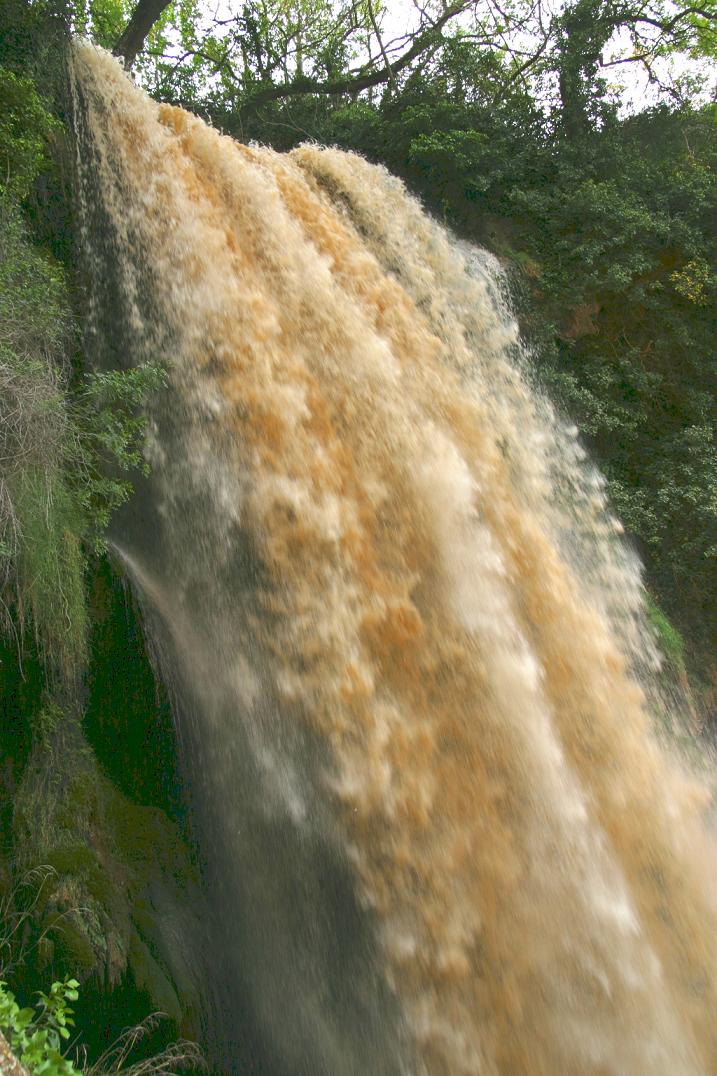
x=404, y=637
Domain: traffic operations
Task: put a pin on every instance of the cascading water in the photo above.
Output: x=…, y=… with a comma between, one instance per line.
x=403, y=638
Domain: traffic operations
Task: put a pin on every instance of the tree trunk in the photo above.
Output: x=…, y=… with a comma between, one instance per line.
x=135, y=32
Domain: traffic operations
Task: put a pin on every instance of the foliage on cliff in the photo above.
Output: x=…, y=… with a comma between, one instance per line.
x=93, y=884
x=36, y=1035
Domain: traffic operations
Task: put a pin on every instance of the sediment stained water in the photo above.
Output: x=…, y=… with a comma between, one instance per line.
x=403, y=635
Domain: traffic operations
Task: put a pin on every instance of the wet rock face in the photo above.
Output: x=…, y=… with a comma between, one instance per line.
x=127, y=717
x=115, y=892
x=97, y=877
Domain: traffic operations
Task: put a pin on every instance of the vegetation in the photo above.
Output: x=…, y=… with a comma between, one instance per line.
x=36, y=1035
x=511, y=124
x=38, y=1039
x=87, y=876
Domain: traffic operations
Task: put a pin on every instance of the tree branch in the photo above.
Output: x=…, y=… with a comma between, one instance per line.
x=135, y=32
x=387, y=65
x=364, y=80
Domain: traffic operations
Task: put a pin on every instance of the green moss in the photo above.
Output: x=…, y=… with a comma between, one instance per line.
x=669, y=639
x=128, y=718
x=50, y=570
x=150, y=977
x=121, y=874
x=70, y=937
x=41, y=521
x=67, y=444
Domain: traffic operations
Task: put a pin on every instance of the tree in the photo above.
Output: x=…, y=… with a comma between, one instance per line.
x=268, y=50
x=134, y=35
x=586, y=48
x=246, y=36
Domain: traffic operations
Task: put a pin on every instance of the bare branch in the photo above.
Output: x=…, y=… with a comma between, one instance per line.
x=391, y=79
x=364, y=79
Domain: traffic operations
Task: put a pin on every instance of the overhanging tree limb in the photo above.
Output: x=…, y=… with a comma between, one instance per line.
x=135, y=32
x=147, y=12
x=364, y=80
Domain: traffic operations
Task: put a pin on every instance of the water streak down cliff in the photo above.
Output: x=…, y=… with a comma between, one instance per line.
x=401, y=630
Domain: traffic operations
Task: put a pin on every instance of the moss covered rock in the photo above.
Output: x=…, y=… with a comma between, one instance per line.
x=122, y=897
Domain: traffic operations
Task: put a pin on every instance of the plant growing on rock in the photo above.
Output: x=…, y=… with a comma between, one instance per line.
x=36, y=1035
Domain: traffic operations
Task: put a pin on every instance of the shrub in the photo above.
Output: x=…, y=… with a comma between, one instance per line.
x=36, y=1035
x=25, y=126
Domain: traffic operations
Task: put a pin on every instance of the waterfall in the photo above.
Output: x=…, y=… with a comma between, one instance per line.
x=403, y=635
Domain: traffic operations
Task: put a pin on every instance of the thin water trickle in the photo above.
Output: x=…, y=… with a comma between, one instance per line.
x=404, y=640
